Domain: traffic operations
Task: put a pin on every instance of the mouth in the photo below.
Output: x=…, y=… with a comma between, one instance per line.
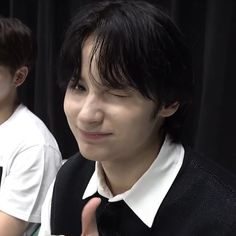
x=87, y=135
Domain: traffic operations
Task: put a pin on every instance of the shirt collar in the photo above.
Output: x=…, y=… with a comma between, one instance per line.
x=147, y=194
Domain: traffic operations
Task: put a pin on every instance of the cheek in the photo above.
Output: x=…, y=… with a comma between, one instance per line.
x=71, y=107
x=66, y=105
x=132, y=121
x=5, y=89
x=140, y=122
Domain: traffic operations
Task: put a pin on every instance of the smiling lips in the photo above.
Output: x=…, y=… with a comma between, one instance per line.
x=94, y=135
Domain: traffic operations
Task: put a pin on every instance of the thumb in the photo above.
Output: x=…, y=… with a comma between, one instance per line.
x=88, y=218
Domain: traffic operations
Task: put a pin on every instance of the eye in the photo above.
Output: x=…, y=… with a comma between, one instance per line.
x=76, y=85
x=80, y=87
x=119, y=94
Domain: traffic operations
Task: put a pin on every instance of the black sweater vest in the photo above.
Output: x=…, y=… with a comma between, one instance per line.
x=201, y=201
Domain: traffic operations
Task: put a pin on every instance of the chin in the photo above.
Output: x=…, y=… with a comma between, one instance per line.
x=93, y=153
x=93, y=156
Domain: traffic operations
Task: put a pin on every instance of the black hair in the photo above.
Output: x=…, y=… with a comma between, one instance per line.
x=17, y=45
x=138, y=46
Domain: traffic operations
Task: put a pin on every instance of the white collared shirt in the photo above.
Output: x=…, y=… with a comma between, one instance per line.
x=145, y=196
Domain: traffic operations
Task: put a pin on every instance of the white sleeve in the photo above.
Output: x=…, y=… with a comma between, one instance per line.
x=45, y=228
x=25, y=186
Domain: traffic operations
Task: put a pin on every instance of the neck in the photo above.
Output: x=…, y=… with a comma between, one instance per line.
x=121, y=176
x=7, y=109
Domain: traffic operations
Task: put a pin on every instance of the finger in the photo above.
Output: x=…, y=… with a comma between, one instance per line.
x=89, y=224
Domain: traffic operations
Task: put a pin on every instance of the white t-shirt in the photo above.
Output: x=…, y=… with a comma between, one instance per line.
x=29, y=160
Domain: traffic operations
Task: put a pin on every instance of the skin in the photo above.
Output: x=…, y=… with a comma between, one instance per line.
x=9, y=225
x=115, y=127
x=8, y=90
x=89, y=224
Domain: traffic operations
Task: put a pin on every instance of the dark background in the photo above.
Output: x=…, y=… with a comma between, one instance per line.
x=210, y=30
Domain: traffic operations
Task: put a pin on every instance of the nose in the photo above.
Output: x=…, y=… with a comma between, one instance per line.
x=91, y=111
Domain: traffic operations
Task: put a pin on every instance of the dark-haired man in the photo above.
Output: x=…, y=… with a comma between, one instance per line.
x=29, y=154
x=129, y=81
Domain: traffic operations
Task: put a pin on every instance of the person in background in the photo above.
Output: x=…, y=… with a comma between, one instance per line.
x=29, y=154
x=129, y=82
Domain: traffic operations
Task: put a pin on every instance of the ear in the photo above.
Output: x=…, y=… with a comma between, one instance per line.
x=20, y=75
x=167, y=111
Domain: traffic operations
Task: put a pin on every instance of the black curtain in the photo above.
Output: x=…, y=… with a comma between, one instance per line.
x=210, y=30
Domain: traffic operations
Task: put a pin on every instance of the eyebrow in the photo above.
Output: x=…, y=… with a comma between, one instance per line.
x=95, y=82
x=127, y=88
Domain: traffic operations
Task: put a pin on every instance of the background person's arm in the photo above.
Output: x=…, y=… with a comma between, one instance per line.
x=11, y=226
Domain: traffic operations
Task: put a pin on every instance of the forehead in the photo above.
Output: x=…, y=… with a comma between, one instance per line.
x=90, y=70
x=89, y=59
x=100, y=69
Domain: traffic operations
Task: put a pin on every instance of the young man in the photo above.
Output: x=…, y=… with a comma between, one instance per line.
x=29, y=154
x=129, y=83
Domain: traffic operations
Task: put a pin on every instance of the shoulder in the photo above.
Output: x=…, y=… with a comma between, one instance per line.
x=203, y=195
x=73, y=177
x=75, y=166
x=31, y=143
x=206, y=184
x=68, y=190
x=30, y=128
x=210, y=171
